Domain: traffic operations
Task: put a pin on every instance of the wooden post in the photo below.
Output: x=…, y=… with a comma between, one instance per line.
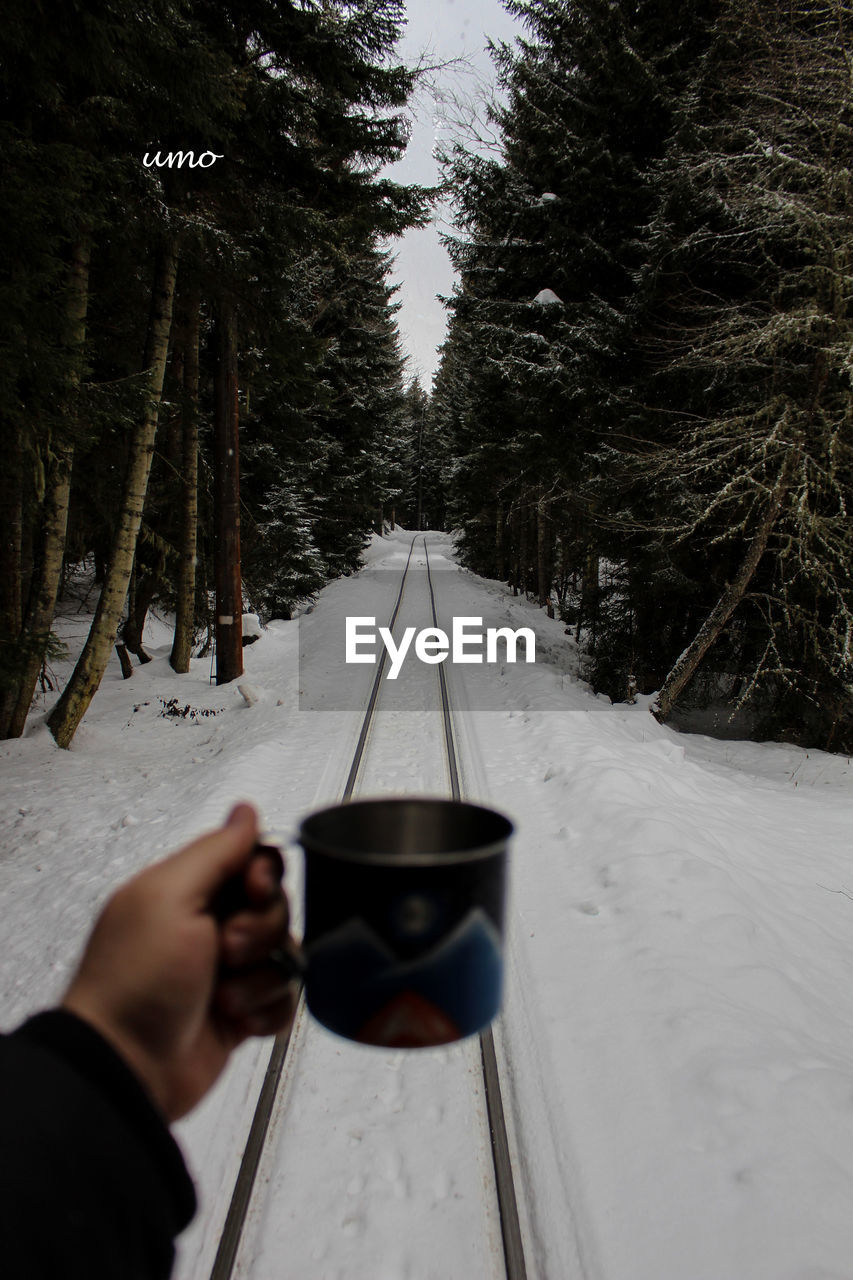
x=226, y=500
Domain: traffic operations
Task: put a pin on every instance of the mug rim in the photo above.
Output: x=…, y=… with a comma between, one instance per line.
x=420, y=858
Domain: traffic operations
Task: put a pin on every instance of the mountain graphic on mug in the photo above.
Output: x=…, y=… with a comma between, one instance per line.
x=362, y=990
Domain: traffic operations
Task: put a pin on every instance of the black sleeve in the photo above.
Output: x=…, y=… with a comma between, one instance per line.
x=92, y=1184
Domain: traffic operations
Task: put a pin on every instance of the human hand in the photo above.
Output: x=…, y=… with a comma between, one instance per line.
x=173, y=988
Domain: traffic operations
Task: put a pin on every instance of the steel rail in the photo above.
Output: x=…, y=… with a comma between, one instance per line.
x=349, y=786
x=235, y=1219
x=513, y=1246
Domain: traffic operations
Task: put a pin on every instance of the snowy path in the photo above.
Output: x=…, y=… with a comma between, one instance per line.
x=680, y=1003
x=406, y=1189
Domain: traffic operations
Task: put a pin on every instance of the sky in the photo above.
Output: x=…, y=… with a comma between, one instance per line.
x=446, y=30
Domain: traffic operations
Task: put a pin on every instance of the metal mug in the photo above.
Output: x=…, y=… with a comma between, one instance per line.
x=404, y=910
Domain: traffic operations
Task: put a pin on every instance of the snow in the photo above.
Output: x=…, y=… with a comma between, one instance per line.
x=679, y=1015
x=547, y=298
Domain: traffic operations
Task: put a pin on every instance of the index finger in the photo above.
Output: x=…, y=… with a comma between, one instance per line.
x=256, y=885
x=264, y=874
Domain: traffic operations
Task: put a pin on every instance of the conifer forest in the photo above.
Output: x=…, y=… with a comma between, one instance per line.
x=642, y=414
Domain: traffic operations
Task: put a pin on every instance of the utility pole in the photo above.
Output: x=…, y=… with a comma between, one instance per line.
x=226, y=500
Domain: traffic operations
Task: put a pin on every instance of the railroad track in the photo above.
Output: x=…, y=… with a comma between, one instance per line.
x=231, y=1245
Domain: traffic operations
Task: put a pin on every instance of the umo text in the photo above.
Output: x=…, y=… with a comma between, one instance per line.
x=465, y=644
x=179, y=158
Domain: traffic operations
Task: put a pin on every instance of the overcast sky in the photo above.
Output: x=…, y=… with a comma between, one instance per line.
x=446, y=29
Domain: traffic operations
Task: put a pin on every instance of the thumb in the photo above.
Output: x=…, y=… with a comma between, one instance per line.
x=198, y=870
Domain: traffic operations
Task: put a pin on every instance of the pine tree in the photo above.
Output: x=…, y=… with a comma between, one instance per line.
x=359, y=411
x=300, y=134
x=552, y=239
x=423, y=463
x=751, y=283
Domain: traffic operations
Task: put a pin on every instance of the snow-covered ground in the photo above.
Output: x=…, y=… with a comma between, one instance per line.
x=679, y=1021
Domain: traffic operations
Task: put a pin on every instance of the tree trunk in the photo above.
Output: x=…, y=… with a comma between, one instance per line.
x=172, y=444
x=87, y=674
x=226, y=501
x=685, y=668
x=124, y=661
x=419, y=518
x=543, y=554
x=590, y=592
x=515, y=540
x=46, y=579
x=499, y=542
x=11, y=533
x=524, y=528
x=185, y=608
x=143, y=588
x=11, y=604
x=44, y=588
